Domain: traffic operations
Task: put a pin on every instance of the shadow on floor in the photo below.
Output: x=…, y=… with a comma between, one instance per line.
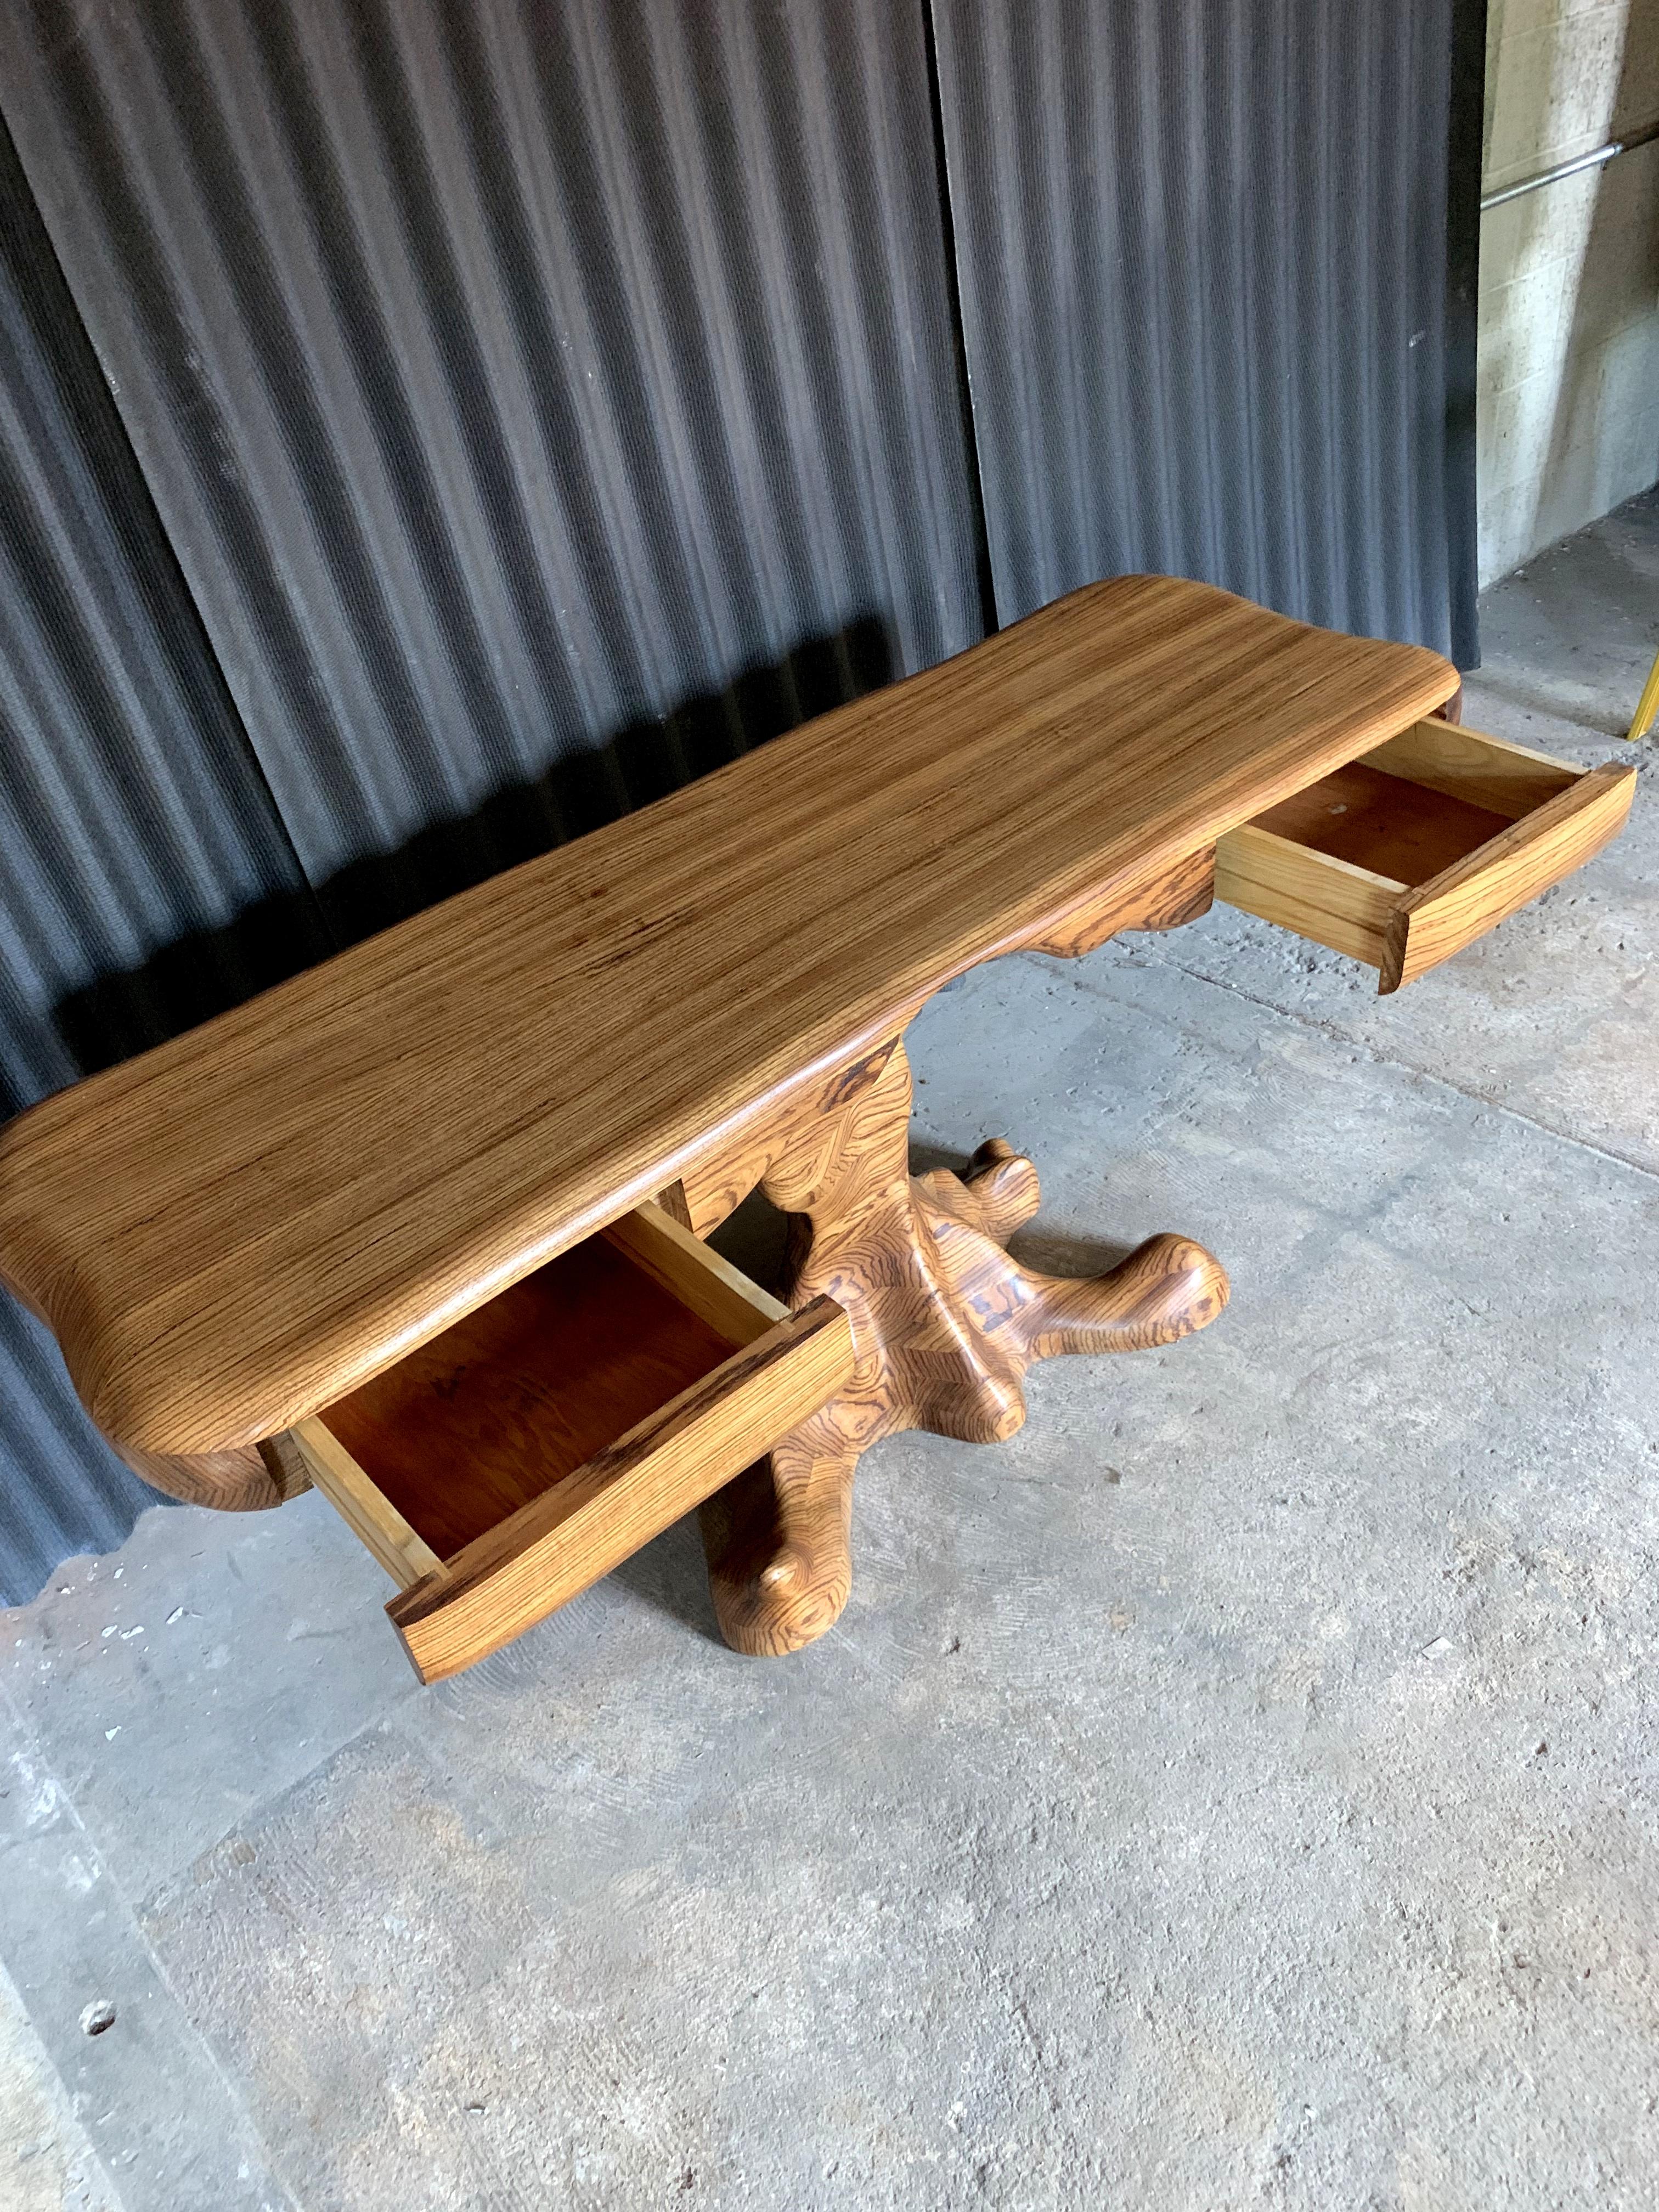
x=669, y=1574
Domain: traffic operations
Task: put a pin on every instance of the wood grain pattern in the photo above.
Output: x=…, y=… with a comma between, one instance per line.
x=1166, y=897
x=251, y=1221
x=584, y=1525
x=1647, y=707
x=945, y=1324
x=717, y=1186
x=1161, y=898
x=1403, y=858
x=1467, y=764
x=512, y=1460
x=1373, y=820
x=673, y=1201
x=250, y=1480
x=509, y=1400
x=1329, y=901
x=286, y=1465
x=1475, y=894
x=708, y=1284
x=366, y=1511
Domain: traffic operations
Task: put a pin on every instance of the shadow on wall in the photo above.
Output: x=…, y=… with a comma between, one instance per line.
x=204, y=973
x=201, y=974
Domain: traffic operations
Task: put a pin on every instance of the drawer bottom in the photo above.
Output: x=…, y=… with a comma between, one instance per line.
x=500, y=1470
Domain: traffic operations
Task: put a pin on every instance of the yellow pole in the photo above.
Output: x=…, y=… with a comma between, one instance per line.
x=1648, y=705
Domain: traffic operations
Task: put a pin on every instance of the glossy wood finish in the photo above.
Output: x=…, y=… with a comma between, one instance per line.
x=1403, y=858
x=1329, y=900
x=703, y=1281
x=474, y=1470
x=490, y=1414
x=1509, y=780
x=507, y=1464
x=250, y=1480
x=412, y=1188
x=1161, y=898
x=1647, y=707
x=946, y=1322
x=1381, y=822
x=582, y=1527
x=372, y=1517
x=1165, y=898
x=1473, y=895
x=252, y=1221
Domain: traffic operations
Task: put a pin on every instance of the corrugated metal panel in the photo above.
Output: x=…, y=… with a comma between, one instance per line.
x=545, y=401
x=1202, y=259
x=145, y=880
x=543, y=404
x=1465, y=73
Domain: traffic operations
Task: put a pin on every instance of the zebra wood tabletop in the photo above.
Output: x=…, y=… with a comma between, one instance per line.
x=334, y=1235
x=240, y=1225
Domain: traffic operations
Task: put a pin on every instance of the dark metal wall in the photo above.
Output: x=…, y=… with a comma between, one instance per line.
x=1202, y=255
x=431, y=429
x=544, y=401
x=145, y=880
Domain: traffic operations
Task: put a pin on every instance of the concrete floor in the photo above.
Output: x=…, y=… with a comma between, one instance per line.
x=1240, y=1789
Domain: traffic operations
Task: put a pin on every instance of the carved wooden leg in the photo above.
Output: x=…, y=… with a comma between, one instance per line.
x=944, y=1321
x=1000, y=1185
x=778, y=1542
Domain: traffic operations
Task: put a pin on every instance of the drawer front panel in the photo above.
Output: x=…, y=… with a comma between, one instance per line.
x=1541, y=849
x=1475, y=829
x=564, y=1542
x=1329, y=900
x=519, y=1456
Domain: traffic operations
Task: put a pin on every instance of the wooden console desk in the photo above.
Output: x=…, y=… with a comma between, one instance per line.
x=423, y=1225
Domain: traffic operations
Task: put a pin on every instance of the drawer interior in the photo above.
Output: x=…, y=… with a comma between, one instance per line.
x=504, y=1467
x=521, y=1392
x=1405, y=856
x=1372, y=819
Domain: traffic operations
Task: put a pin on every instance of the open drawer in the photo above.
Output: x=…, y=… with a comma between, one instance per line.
x=510, y=1462
x=1404, y=856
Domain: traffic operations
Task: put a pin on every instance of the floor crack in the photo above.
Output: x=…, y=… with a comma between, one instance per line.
x=1378, y=1059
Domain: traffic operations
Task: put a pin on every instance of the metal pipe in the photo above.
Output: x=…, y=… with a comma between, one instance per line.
x=1571, y=168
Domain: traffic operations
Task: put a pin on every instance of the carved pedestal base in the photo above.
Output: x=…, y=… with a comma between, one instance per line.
x=946, y=1322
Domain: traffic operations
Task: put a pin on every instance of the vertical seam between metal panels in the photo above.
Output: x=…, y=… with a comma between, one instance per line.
x=202, y=637
x=985, y=574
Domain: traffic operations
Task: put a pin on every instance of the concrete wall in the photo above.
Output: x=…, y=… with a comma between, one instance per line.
x=1569, y=394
